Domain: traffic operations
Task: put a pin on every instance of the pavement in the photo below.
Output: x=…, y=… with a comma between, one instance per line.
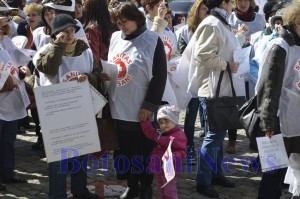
x=31, y=166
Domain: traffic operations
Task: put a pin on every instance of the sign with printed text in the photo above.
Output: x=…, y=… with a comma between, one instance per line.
x=272, y=153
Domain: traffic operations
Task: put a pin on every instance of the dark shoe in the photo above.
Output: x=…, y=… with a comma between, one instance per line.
x=29, y=127
x=146, y=192
x=89, y=195
x=222, y=181
x=14, y=180
x=2, y=187
x=231, y=146
x=130, y=193
x=207, y=191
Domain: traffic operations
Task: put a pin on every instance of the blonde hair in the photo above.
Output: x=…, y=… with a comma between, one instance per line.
x=290, y=13
x=193, y=20
x=252, y=4
x=33, y=7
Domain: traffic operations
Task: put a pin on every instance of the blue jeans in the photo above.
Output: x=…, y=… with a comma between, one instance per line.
x=58, y=183
x=190, y=119
x=8, y=133
x=203, y=114
x=211, y=155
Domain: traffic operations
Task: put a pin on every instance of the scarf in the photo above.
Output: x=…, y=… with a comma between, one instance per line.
x=221, y=12
x=70, y=49
x=246, y=16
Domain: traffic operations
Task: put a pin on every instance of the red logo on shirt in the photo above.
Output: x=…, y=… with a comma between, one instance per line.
x=70, y=76
x=122, y=61
x=297, y=66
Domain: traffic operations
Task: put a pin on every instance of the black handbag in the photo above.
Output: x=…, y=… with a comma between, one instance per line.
x=249, y=118
x=222, y=112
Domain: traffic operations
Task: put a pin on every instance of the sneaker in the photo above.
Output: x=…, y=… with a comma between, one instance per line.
x=222, y=181
x=207, y=190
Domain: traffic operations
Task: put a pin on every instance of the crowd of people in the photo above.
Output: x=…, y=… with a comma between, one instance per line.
x=163, y=68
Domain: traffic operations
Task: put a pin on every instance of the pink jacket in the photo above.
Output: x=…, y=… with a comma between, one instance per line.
x=162, y=141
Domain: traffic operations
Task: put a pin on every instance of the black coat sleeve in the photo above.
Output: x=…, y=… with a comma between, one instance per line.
x=269, y=88
x=158, y=82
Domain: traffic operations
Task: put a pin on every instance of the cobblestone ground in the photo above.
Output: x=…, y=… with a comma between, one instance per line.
x=31, y=166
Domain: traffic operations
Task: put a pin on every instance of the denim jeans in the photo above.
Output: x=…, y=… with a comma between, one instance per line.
x=204, y=113
x=8, y=133
x=211, y=154
x=190, y=119
x=58, y=183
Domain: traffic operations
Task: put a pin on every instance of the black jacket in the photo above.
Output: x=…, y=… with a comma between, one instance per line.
x=270, y=83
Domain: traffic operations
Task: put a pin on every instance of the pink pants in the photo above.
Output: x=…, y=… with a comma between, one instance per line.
x=169, y=191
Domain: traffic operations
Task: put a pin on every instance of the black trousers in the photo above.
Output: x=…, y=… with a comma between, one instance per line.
x=134, y=156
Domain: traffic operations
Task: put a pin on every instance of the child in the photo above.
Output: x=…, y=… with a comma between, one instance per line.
x=167, y=117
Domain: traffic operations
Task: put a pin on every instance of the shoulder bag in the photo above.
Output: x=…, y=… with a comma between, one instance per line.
x=222, y=112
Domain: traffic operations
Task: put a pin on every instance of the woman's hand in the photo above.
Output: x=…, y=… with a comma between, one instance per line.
x=269, y=133
x=104, y=77
x=162, y=10
x=242, y=29
x=144, y=114
x=82, y=78
x=234, y=66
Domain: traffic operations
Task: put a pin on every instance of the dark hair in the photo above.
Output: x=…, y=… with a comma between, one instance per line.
x=128, y=11
x=150, y=3
x=48, y=26
x=214, y=3
x=97, y=10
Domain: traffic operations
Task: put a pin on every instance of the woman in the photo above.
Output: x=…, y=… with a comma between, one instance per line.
x=41, y=35
x=98, y=27
x=198, y=12
x=79, y=11
x=12, y=107
x=33, y=12
x=54, y=61
x=139, y=55
x=245, y=14
x=213, y=50
x=278, y=94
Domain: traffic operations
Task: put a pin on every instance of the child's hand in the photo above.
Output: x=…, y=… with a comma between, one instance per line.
x=82, y=78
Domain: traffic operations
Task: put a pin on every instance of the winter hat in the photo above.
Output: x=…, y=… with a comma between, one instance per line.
x=268, y=8
x=168, y=112
x=278, y=15
x=66, y=5
x=62, y=21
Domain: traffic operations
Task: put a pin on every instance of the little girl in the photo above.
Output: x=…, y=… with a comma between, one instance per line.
x=167, y=118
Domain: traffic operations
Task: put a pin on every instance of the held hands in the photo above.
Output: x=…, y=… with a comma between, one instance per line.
x=144, y=114
x=234, y=66
x=162, y=10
